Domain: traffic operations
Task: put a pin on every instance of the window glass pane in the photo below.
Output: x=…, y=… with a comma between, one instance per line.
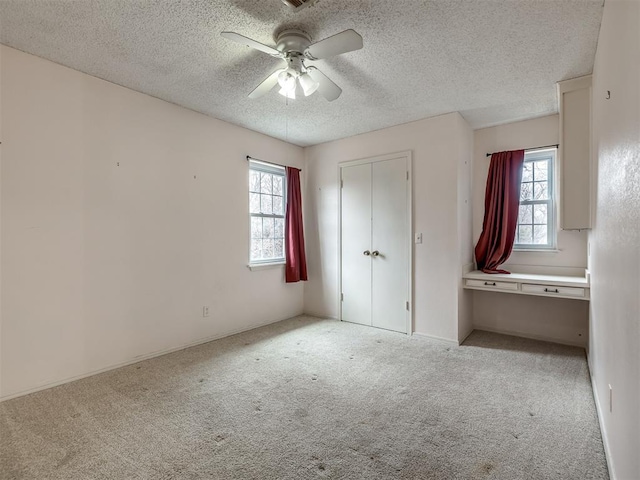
x=254, y=203
x=540, y=213
x=265, y=183
x=277, y=185
x=541, y=191
x=278, y=249
x=256, y=249
x=256, y=227
x=266, y=204
x=541, y=169
x=527, y=172
x=525, y=234
x=267, y=248
x=526, y=191
x=254, y=181
x=267, y=227
x=279, y=228
x=277, y=205
x=540, y=234
x=525, y=215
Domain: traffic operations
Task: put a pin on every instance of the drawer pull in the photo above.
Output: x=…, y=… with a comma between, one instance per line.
x=490, y=284
x=549, y=290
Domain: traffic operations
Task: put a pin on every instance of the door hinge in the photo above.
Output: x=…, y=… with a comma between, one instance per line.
x=342, y=297
x=341, y=183
x=407, y=306
x=407, y=175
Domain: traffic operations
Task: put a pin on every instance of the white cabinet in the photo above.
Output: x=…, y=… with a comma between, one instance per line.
x=574, y=97
x=559, y=286
x=375, y=242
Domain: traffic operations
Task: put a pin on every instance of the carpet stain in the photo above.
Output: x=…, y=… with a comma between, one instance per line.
x=487, y=468
x=201, y=380
x=66, y=459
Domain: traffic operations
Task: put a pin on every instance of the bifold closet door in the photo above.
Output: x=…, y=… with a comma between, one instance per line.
x=389, y=230
x=375, y=246
x=356, y=244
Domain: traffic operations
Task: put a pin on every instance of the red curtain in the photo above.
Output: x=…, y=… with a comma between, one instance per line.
x=501, y=201
x=295, y=259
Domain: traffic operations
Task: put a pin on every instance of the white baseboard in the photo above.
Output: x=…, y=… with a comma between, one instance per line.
x=603, y=432
x=434, y=337
x=320, y=315
x=136, y=359
x=543, y=338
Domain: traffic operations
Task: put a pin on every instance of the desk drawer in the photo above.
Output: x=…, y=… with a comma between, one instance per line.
x=491, y=285
x=552, y=290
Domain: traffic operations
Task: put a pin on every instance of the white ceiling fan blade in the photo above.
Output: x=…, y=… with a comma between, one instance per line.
x=236, y=37
x=327, y=88
x=342, y=42
x=266, y=85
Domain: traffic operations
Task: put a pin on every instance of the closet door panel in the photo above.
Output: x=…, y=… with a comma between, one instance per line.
x=389, y=238
x=356, y=239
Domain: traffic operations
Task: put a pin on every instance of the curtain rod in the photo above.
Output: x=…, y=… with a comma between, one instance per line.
x=534, y=148
x=264, y=161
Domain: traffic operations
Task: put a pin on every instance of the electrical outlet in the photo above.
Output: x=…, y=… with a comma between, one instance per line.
x=610, y=399
x=205, y=311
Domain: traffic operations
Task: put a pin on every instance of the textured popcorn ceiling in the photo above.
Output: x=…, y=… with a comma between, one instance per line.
x=494, y=61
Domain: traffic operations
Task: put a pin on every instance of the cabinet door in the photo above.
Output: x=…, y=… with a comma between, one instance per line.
x=390, y=227
x=356, y=239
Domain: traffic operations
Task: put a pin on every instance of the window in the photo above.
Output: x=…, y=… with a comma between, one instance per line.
x=536, y=220
x=267, y=197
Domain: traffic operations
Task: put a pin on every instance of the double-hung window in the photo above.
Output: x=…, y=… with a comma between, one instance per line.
x=536, y=228
x=267, y=200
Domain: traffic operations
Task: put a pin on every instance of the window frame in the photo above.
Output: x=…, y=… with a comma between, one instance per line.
x=263, y=167
x=551, y=155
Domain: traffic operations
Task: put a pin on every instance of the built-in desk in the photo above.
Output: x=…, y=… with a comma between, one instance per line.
x=529, y=284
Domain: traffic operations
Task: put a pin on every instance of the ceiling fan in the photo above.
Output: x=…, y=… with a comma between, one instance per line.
x=295, y=47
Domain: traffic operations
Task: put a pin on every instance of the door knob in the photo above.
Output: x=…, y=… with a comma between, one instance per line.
x=366, y=252
x=375, y=253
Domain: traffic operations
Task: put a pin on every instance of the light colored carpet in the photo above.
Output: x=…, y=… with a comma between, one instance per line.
x=309, y=398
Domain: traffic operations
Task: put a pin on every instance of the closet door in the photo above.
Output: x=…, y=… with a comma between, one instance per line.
x=356, y=244
x=390, y=254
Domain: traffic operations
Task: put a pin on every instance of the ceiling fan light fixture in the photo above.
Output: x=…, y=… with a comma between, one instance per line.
x=287, y=79
x=308, y=84
x=291, y=94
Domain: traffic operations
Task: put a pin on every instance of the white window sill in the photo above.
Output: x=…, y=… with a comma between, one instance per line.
x=264, y=266
x=537, y=250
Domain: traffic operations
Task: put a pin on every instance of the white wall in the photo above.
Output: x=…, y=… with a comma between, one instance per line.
x=465, y=223
x=614, y=353
x=564, y=321
x=104, y=263
x=572, y=245
x=440, y=146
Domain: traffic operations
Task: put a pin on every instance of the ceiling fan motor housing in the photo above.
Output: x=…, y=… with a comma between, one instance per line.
x=292, y=41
